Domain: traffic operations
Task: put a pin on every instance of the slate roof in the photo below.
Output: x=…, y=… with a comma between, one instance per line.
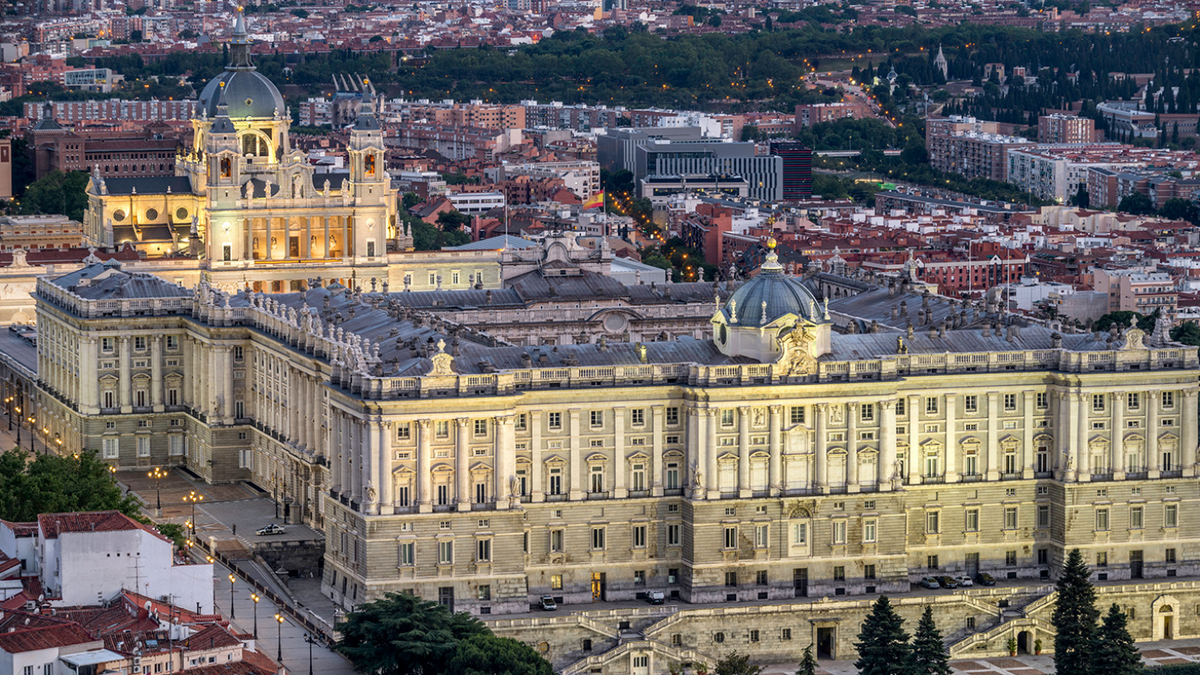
x=106, y=281
x=149, y=185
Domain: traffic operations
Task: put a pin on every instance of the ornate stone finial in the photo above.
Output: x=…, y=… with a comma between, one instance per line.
x=827, y=308
x=901, y=348
x=772, y=262
x=733, y=311
x=763, y=321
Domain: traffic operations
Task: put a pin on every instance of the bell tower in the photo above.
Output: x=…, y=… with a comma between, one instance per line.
x=374, y=214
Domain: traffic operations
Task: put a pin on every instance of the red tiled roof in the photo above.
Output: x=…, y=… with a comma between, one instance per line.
x=33, y=639
x=21, y=529
x=54, y=524
x=211, y=637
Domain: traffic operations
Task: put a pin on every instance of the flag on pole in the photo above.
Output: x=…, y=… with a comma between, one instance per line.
x=596, y=200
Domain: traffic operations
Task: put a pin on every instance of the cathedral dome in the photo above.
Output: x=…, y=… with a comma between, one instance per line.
x=782, y=294
x=242, y=90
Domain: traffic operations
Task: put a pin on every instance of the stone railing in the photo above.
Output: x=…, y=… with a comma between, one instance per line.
x=67, y=299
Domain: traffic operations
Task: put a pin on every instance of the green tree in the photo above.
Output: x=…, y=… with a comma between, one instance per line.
x=400, y=634
x=57, y=192
x=453, y=220
x=929, y=652
x=174, y=532
x=1136, y=203
x=1177, y=209
x=300, y=13
x=1122, y=318
x=1081, y=197
x=58, y=484
x=1187, y=333
x=808, y=663
x=882, y=643
x=657, y=260
x=736, y=664
x=410, y=199
x=1074, y=618
x=1113, y=651
x=488, y=654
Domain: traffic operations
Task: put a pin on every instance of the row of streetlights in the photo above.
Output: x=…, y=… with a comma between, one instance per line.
x=279, y=620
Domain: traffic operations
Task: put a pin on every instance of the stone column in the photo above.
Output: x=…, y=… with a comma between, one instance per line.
x=462, y=469
x=505, y=462
x=307, y=238
x=993, y=437
x=1116, y=446
x=372, y=465
x=325, y=241
x=538, y=488
x=270, y=253
x=1029, y=452
x=619, y=461
x=1065, y=430
x=156, y=379
x=1153, y=459
x=951, y=440
x=887, y=444
x=424, y=477
x=775, y=479
x=698, y=455
x=387, y=498
x=124, y=386
x=915, y=470
x=358, y=470
x=335, y=472
x=743, y=467
x=656, y=433
x=713, y=490
x=852, y=413
x=1187, y=452
x=345, y=238
x=87, y=376
x=1083, y=458
x=576, y=464
x=821, y=464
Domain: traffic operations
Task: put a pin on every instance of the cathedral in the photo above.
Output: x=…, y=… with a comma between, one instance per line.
x=246, y=205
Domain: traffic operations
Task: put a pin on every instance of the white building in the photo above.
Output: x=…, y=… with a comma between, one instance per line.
x=476, y=203
x=82, y=557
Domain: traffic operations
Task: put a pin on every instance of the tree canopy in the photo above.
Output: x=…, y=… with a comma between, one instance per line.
x=882, y=645
x=1074, y=618
x=1114, y=652
x=57, y=192
x=488, y=655
x=400, y=634
x=57, y=484
x=929, y=652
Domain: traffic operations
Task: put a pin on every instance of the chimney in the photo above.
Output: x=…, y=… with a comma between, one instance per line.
x=1056, y=341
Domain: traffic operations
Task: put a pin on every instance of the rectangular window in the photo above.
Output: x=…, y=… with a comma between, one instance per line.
x=481, y=493
x=597, y=479
x=931, y=405
x=731, y=579
x=1168, y=399
x=1133, y=401
x=673, y=415
x=554, y=420
x=597, y=538
x=172, y=342
x=839, y=532
x=933, y=522
x=931, y=562
x=672, y=535
x=799, y=534
x=672, y=476
x=597, y=418
x=639, y=536
x=443, y=494
x=1171, y=515
x=637, y=417
x=441, y=429
x=900, y=407
x=866, y=412
x=556, y=481
x=1101, y=519
x=445, y=553
x=483, y=550
x=1097, y=402
x=1010, y=402
x=139, y=343
x=796, y=414
x=403, y=431
x=869, y=527
x=1135, y=518
x=972, y=520
x=1010, y=558
x=556, y=541
x=407, y=554
x=481, y=427
x=521, y=422
x=727, y=417
x=1169, y=556
x=761, y=539
x=731, y=538
x=839, y=573
x=556, y=582
x=1102, y=559
x=106, y=344
x=1043, y=516
x=1010, y=517
x=970, y=404
x=143, y=446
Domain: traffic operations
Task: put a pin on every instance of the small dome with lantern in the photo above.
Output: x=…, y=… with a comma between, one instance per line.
x=763, y=310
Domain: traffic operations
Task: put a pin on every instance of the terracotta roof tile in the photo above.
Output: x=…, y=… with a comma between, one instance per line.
x=33, y=639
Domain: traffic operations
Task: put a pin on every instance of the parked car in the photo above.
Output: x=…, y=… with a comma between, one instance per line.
x=964, y=581
x=269, y=530
x=985, y=579
x=947, y=582
x=930, y=582
x=655, y=597
x=547, y=603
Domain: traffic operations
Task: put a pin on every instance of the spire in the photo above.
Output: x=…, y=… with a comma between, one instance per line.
x=239, y=46
x=772, y=263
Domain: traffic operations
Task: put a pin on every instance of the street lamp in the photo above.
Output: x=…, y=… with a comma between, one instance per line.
x=158, y=474
x=279, y=641
x=112, y=471
x=311, y=641
x=255, y=598
x=193, y=497
x=18, y=411
x=232, y=609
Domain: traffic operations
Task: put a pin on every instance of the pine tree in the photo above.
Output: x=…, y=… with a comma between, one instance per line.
x=808, y=664
x=1114, y=652
x=929, y=656
x=883, y=645
x=1074, y=618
